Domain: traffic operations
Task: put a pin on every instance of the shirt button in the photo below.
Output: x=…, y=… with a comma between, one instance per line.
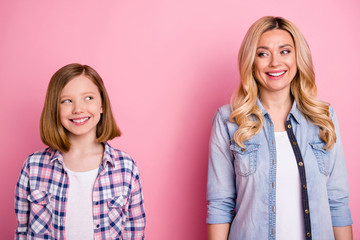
x=294, y=143
x=306, y=211
x=301, y=164
x=289, y=126
x=243, y=149
x=304, y=186
x=308, y=234
x=98, y=225
x=96, y=203
x=272, y=184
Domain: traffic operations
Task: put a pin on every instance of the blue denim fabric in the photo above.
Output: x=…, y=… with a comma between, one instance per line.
x=240, y=180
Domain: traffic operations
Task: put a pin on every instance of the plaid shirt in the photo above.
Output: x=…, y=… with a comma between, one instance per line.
x=42, y=194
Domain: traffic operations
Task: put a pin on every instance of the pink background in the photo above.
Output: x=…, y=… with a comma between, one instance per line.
x=168, y=65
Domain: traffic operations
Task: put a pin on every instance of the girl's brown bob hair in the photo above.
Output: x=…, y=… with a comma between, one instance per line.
x=52, y=132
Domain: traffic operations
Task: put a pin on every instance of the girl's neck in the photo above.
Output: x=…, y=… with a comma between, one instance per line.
x=84, y=143
x=84, y=154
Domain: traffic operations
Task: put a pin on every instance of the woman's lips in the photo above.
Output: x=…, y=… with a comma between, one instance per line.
x=275, y=75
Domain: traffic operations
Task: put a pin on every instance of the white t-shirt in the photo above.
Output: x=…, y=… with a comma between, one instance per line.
x=79, y=215
x=289, y=214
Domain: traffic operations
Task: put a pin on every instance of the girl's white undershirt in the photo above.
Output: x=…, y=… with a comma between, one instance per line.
x=79, y=215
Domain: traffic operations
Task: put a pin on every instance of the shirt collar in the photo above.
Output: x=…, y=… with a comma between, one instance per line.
x=295, y=113
x=107, y=158
x=263, y=111
x=108, y=155
x=56, y=155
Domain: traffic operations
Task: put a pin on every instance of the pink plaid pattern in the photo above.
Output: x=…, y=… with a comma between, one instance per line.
x=41, y=197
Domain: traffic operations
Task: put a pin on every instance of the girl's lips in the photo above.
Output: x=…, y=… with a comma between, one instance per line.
x=79, y=121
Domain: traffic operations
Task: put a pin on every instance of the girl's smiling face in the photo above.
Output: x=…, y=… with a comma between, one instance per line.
x=275, y=62
x=80, y=107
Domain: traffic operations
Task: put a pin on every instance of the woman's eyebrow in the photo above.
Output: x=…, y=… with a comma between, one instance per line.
x=281, y=46
x=286, y=45
x=262, y=47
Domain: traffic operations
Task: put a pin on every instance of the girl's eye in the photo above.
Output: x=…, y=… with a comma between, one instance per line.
x=66, y=101
x=88, y=98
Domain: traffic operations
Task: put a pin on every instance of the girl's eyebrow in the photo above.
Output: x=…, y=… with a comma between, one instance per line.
x=84, y=93
x=90, y=92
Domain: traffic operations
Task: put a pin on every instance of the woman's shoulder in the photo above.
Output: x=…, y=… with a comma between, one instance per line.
x=224, y=112
x=331, y=110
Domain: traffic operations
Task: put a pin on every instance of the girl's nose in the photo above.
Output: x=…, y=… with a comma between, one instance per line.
x=78, y=107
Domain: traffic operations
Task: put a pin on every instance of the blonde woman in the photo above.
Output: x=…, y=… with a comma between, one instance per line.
x=276, y=162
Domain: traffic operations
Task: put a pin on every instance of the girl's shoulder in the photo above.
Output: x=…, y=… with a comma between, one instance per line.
x=119, y=158
x=40, y=161
x=42, y=156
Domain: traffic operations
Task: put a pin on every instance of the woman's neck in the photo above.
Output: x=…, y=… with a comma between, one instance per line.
x=278, y=106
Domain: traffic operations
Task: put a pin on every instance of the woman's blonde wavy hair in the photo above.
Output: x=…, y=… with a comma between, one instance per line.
x=303, y=87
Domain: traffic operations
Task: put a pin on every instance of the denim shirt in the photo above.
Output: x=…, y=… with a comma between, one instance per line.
x=241, y=187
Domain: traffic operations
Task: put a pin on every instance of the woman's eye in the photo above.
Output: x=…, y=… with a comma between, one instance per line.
x=285, y=51
x=262, y=54
x=88, y=98
x=66, y=101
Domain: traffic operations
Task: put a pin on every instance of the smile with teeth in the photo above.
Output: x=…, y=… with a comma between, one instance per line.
x=275, y=74
x=79, y=120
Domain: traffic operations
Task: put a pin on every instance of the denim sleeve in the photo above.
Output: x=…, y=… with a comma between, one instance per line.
x=221, y=192
x=337, y=185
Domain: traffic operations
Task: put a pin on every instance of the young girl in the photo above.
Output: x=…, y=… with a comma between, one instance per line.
x=79, y=187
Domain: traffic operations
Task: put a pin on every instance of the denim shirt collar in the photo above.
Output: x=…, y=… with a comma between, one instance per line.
x=294, y=112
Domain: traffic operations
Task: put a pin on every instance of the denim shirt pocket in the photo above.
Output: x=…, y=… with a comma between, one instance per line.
x=245, y=158
x=41, y=208
x=117, y=215
x=322, y=156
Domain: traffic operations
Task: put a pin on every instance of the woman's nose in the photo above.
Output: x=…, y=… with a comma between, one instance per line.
x=274, y=61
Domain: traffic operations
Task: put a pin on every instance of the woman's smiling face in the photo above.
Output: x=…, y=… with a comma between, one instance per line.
x=275, y=62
